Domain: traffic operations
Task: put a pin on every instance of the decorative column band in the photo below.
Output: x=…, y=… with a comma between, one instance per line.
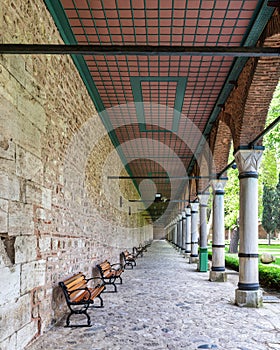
x=248, y=255
x=218, y=245
x=248, y=286
x=188, y=251
x=248, y=174
x=217, y=268
x=194, y=242
x=188, y=214
x=204, y=205
x=194, y=212
x=194, y=255
x=219, y=192
x=184, y=218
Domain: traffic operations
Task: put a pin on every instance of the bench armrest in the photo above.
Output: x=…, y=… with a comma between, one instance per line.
x=117, y=264
x=96, y=278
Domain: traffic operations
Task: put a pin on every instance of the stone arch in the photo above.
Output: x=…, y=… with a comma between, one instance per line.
x=220, y=143
x=246, y=109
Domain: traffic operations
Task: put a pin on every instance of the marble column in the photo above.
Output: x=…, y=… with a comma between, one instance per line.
x=180, y=231
x=217, y=273
x=183, y=231
x=248, y=292
x=188, y=240
x=194, y=232
x=203, y=247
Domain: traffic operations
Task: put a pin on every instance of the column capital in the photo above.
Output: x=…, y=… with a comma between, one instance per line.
x=203, y=198
x=248, y=160
x=194, y=206
x=188, y=211
x=218, y=185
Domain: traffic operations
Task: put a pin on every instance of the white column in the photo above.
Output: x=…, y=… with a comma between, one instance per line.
x=217, y=272
x=175, y=232
x=194, y=232
x=188, y=232
x=180, y=231
x=203, y=247
x=183, y=246
x=248, y=292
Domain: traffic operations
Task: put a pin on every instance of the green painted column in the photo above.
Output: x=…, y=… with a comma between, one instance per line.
x=203, y=247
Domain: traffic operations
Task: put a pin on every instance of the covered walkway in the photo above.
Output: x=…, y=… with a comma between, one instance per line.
x=164, y=303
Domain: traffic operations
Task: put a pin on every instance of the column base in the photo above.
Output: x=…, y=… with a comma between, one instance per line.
x=203, y=260
x=194, y=259
x=249, y=298
x=218, y=276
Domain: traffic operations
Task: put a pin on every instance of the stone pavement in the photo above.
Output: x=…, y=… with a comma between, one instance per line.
x=164, y=303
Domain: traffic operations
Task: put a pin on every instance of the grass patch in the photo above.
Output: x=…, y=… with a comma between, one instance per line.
x=269, y=275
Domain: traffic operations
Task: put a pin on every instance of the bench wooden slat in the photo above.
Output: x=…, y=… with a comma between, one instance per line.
x=109, y=274
x=77, y=292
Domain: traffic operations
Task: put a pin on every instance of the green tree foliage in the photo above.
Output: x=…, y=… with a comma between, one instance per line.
x=231, y=202
x=268, y=219
x=270, y=169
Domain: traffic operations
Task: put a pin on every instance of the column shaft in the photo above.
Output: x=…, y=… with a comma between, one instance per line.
x=194, y=232
x=217, y=272
x=248, y=292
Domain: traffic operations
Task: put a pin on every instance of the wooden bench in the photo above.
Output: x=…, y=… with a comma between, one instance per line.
x=128, y=259
x=110, y=273
x=80, y=295
x=138, y=251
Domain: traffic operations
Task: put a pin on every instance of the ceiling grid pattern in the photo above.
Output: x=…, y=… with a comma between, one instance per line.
x=166, y=104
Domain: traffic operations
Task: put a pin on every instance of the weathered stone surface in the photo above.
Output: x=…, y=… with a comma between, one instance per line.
x=14, y=316
x=267, y=258
x=33, y=274
x=21, y=219
x=10, y=289
x=3, y=215
x=9, y=343
x=28, y=165
x=26, y=333
x=25, y=249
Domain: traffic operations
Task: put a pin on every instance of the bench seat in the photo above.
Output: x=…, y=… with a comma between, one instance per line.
x=110, y=273
x=78, y=292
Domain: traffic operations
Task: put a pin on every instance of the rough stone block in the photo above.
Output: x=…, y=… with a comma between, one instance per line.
x=14, y=316
x=3, y=215
x=33, y=192
x=30, y=108
x=45, y=244
x=25, y=249
x=250, y=298
x=10, y=291
x=218, y=276
x=26, y=333
x=7, y=154
x=10, y=187
x=21, y=130
x=10, y=343
x=46, y=198
x=33, y=275
x=20, y=219
x=28, y=165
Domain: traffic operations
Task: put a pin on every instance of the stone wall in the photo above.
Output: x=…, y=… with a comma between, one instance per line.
x=59, y=212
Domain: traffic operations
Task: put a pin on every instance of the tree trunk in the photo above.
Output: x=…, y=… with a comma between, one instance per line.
x=233, y=247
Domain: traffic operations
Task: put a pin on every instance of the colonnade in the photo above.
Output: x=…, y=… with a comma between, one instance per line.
x=188, y=230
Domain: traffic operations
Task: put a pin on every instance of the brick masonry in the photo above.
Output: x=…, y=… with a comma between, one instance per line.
x=59, y=213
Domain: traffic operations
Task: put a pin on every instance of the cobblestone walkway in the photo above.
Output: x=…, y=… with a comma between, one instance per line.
x=164, y=303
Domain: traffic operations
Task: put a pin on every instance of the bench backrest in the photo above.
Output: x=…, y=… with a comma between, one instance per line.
x=104, y=267
x=70, y=286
